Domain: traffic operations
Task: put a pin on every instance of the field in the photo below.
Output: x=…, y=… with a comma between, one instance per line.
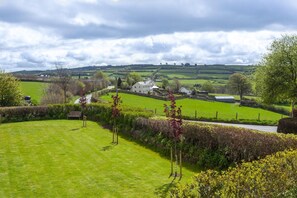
x=59, y=158
x=33, y=89
x=205, y=109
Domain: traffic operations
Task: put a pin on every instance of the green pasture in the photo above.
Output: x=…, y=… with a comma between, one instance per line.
x=33, y=89
x=213, y=76
x=191, y=83
x=206, y=109
x=59, y=158
x=178, y=75
x=215, y=82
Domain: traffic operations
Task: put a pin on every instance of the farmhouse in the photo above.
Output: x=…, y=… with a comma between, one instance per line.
x=144, y=87
x=185, y=91
x=229, y=99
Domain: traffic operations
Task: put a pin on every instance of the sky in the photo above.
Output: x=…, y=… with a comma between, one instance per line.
x=39, y=34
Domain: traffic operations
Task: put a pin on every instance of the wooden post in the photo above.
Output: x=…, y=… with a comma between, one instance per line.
x=155, y=111
x=171, y=161
x=195, y=114
x=117, y=133
x=217, y=114
x=176, y=163
x=236, y=116
x=258, y=116
x=113, y=131
x=180, y=165
x=84, y=121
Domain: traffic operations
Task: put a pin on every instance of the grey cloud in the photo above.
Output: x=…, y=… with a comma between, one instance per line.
x=142, y=18
x=28, y=57
x=77, y=56
x=153, y=48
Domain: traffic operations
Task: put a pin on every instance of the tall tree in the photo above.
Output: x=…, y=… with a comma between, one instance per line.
x=133, y=78
x=119, y=83
x=63, y=80
x=276, y=77
x=100, y=80
x=10, y=93
x=176, y=85
x=239, y=84
x=207, y=86
x=165, y=83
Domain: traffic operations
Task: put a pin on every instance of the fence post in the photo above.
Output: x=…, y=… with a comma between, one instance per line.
x=155, y=111
x=217, y=114
x=195, y=114
x=259, y=116
x=236, y=116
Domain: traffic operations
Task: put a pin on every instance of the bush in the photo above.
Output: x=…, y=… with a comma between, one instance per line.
x=287, y=125
x=214, y=146
x=273, y=176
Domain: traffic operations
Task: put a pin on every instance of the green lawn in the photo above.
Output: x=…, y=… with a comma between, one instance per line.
x=33, y=89
x=59, y=158
x=205, y=109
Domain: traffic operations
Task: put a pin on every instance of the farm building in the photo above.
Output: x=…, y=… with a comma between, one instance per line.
x=229, y=99
x=144, y=87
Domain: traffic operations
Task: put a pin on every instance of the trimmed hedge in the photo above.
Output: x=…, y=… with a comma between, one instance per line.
x=287, y=125
x=273, y=176
x=94, y=112
x=214, y=146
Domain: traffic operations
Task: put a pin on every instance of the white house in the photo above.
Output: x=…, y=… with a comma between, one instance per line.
x=185, y=91
x=144, y=87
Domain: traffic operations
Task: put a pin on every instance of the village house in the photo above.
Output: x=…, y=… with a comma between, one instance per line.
x=144, y=87
x=185, y=91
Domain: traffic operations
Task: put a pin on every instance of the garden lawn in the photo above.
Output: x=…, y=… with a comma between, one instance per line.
x=33, y=89
x=59, y=158
x=206, y=109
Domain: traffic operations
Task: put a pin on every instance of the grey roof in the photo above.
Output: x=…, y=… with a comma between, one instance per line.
x=224, y=97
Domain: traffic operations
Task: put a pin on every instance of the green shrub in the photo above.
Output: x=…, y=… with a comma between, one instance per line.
x=287, y=125
x=214, y=146
x=273, y=176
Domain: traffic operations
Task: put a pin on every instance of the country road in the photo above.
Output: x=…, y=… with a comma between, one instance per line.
x=247, y=126
x=89, y=96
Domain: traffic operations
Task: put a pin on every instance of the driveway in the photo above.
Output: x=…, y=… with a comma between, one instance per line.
x=89, y=96
x=247, y=126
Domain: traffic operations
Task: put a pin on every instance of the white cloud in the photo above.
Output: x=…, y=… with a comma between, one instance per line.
x=95, y=32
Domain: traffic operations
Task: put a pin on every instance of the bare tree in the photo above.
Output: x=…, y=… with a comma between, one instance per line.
x=53, y=94
x=63, y=80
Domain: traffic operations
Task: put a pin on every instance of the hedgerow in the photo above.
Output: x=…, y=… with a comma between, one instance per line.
x=95, y=112
x=273, y=176
x=213, y=146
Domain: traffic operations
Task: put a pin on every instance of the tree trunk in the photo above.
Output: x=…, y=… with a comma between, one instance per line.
x=292, y=106
x=65, y=97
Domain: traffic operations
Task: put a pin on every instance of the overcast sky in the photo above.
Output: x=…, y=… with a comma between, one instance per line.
x=37, y=34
